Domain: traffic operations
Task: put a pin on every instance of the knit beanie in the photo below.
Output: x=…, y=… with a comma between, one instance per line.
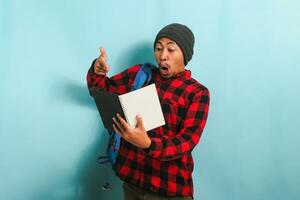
x=183, y=37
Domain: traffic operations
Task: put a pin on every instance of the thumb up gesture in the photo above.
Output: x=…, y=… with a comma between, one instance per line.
x=100, y=65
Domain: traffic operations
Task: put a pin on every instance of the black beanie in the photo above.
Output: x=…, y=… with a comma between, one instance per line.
x=180, y=34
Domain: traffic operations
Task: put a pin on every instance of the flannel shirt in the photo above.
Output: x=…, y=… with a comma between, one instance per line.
x=166, y=167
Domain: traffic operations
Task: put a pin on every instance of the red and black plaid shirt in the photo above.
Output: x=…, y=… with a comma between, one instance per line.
x=166, y=167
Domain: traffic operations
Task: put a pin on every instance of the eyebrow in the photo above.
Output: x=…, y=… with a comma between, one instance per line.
x=171, y=42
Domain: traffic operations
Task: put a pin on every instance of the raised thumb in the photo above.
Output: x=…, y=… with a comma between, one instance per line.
x=139, y=121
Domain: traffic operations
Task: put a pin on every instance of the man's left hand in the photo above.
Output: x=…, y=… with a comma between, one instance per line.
x=136, y=136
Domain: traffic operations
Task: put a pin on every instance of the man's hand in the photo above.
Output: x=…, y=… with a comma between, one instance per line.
x=100, y=65
x=136, y=136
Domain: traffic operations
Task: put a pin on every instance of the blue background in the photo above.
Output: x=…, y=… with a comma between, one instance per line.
x=246, y=53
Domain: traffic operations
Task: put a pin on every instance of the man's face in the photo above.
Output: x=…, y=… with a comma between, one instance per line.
x=169, y=57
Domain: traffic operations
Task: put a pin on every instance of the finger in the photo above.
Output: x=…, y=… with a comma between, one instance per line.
x=118, y=125
x=102, y=60
x=98, y=70
x=105, y=67
x=102, y=70
x=123, y=122
x=139, y=121
x=117, y=130
x=101, y=65
x=103, y=53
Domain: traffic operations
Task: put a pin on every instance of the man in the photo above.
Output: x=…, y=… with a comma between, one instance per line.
x=158, y=164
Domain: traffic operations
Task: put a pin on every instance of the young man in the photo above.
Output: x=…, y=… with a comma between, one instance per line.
x=158, y=164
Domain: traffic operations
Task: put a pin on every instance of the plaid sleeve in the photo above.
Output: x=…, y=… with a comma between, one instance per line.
x=118, y=84
x=193, y=125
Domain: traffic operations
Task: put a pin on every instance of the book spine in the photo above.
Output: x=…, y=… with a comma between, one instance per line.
x=124, y=111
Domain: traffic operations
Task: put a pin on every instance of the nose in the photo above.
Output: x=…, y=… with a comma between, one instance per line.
x=164, y=55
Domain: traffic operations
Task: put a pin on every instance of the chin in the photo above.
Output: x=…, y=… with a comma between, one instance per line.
x=166, y=75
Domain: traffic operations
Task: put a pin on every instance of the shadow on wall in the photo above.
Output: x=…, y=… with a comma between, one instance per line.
x=72, y=92
x=91, y=175
x=137, y=54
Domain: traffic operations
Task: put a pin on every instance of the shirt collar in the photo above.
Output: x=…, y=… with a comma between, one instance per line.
x=185, y=74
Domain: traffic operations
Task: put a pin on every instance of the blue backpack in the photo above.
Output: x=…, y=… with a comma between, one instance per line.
x=143, y=77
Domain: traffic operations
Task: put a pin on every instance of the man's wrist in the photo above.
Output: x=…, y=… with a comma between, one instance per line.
x=148, y=144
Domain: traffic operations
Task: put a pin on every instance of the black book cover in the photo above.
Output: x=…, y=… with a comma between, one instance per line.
x=108, y=105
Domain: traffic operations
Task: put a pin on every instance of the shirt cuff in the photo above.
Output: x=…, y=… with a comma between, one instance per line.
x=155, y=148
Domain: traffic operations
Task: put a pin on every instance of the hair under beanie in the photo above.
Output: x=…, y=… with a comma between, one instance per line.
x=183, y=37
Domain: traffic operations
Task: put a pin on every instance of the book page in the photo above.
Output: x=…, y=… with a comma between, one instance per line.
x=145, y=102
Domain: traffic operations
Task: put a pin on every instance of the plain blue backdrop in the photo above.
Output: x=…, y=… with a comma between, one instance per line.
x=246, y=53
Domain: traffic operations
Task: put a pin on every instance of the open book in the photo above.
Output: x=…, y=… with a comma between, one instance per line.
x=143, y=101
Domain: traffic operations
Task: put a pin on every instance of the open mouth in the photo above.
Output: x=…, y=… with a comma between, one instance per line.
x=164, y=71
x=164, y=68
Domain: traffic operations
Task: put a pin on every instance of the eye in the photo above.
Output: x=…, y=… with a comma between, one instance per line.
x=171, y=50
x=158, y=49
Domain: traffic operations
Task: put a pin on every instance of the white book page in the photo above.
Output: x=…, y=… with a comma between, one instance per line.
x=145, y=102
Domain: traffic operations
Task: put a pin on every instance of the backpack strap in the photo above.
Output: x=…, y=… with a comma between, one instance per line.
x=143, y=76
x=112, y=149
